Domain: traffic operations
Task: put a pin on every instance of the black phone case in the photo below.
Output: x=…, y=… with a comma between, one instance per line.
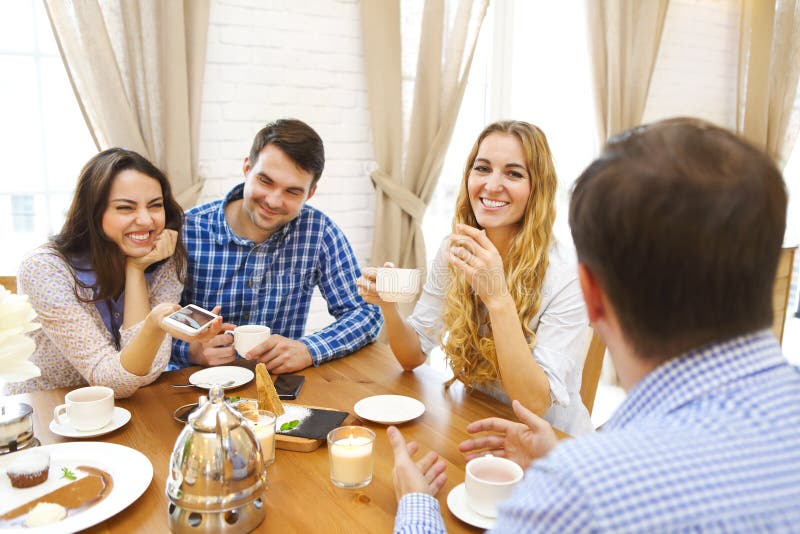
x=288, y=386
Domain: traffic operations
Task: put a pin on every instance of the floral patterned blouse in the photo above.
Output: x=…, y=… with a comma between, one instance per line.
x=73, y=346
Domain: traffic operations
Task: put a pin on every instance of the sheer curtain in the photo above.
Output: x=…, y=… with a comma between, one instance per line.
x=769, y=67
x=136, y=69
x=624, y=36
x=405, y=181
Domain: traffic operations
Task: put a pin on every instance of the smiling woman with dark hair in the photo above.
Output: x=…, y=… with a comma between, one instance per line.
x=102, y=286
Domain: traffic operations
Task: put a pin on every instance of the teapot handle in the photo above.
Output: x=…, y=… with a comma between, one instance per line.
x=224, y=433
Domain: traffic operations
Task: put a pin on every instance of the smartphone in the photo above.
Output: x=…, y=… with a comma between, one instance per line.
x=190, y=319
x=288, y=386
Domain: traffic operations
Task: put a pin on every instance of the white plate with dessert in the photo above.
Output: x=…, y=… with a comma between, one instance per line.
x=104, y=478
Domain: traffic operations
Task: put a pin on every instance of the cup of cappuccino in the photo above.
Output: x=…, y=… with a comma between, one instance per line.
x=490, y=480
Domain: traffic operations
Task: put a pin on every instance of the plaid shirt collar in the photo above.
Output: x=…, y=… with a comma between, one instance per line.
x=697, y=373
x=222, y=230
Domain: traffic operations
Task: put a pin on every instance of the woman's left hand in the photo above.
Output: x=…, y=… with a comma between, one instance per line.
x=163, y=247
x=473, y=253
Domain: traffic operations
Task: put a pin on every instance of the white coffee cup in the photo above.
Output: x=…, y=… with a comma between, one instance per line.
x=397, y=285
x=88, y=408
x=489, y=481
x=247, y=336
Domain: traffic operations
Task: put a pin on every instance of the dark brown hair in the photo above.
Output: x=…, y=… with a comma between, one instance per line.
x=297, y=140
x=682, y=223
x=82, y=234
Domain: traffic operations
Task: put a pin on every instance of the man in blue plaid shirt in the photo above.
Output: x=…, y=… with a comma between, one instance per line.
x=257, y=255
x=678, y=228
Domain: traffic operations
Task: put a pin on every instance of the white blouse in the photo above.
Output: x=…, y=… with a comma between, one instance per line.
x=562, y=336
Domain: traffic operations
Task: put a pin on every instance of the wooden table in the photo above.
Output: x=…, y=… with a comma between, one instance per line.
x=300, y=497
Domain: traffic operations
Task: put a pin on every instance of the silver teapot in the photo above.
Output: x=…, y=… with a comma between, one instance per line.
x=217, y=480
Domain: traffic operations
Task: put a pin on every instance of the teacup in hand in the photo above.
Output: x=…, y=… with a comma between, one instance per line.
x=247, y=336
x=490, y=480
x=88, y=408
x=397, y=285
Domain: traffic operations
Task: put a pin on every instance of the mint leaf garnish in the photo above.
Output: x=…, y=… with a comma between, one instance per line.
x=69, y=475
x=290, y=425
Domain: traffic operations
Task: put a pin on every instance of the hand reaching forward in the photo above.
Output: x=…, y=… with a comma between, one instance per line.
x=424, y=476
x=519, y=442
x=474, y=254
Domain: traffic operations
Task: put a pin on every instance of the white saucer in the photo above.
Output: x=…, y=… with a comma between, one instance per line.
x=389, y=409
x=118, y=419
x=457, y=502
x=220, y=375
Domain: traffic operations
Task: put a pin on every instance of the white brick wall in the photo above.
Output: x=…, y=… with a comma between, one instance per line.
x=269, y=59
x=696, y=70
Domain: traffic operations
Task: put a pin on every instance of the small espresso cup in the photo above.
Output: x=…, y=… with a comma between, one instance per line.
x=88, y=408
x=247, y=336
x=397, y=285
x=489, y=481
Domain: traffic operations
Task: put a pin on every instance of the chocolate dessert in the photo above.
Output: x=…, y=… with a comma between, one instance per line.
x=30, y=469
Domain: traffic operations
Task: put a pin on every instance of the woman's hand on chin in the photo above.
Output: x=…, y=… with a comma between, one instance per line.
x=473, y=254
x=164, y=247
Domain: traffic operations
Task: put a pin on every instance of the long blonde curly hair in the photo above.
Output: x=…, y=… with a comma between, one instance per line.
x=472, y=356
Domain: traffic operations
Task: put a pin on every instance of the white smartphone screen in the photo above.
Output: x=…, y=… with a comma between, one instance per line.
x=193, y=317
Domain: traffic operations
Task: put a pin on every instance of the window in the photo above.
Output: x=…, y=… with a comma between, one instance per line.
x=516, y=74
x=472, y=117
x=551, y=87
x=22, y=213
x=46, y=138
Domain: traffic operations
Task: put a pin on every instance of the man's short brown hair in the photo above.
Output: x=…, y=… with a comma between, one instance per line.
x=297, y=140
x=682, y=223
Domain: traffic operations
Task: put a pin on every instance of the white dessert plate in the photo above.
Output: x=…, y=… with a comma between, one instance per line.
x=223, y=374
x=130, y=470
x=457, y=502
x=389, y=409
x=120, y=417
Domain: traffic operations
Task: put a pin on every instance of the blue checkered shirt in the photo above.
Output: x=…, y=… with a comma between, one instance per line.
x=271, y=283
x=708, y=442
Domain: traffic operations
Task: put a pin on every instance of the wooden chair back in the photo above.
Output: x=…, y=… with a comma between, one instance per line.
x=780, y=291
x=591, y=370
x=9, y=282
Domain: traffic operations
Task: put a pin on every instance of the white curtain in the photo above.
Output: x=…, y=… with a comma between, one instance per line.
x=405, y=181
x=769, y=67
x=137, y=69
x=624, y=36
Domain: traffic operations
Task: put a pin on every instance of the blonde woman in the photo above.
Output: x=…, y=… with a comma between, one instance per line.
x=500, y=298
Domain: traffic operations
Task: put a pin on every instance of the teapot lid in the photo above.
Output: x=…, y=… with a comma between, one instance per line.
x=212, y=410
